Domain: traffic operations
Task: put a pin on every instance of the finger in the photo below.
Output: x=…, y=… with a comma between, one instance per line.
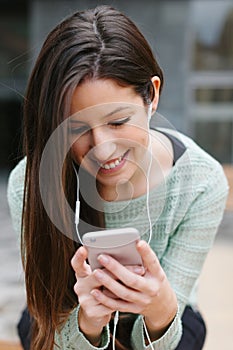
x=121, y=273
x=109, y=294
x=95, y=309
x=137, y=269
x=79, y=264
x=84, y=285
x=149, y=258
x=115, y=304
x=117, y=288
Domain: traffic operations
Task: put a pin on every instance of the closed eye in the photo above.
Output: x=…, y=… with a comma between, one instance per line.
x=119, y=122
x=80, y=130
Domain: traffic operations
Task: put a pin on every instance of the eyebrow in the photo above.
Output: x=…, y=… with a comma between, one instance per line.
x=119, y=109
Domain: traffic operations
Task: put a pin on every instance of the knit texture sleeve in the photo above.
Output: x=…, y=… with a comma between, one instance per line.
x=71, y=338
x=186, y=252
x=190, y=243
x=15, y=193
x=169, y=340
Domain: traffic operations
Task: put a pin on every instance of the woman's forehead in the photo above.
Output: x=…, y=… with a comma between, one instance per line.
x=107, y=111
x=102, y=91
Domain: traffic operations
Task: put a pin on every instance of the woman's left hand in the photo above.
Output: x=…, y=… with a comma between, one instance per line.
x=149, y=295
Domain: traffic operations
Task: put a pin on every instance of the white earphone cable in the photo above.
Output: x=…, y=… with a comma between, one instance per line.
x=77, y=206
x=148, y=174
x=148, y=189
x=116, y=318
x=77, y=212
x=147, y=334
x=148, y=206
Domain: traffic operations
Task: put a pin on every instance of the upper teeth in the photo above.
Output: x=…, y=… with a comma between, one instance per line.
x=112, y=164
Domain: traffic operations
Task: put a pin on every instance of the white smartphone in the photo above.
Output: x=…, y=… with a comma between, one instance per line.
x=118, y=243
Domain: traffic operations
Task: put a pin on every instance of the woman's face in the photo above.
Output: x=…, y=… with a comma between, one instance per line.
x=109, y=130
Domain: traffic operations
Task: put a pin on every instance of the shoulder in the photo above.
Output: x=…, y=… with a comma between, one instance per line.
x=196, y=187
x=15, y=193
x=196, y=160
x=17, y=177
x=197, y=172
x=204, y=166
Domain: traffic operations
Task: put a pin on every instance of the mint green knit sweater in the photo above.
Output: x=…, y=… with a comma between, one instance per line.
x=185, y=210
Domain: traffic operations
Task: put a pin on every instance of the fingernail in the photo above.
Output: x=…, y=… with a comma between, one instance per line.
x=99, y=274
x=95, y=293
x=141, y=244
x=103, y=259
x=138, y=269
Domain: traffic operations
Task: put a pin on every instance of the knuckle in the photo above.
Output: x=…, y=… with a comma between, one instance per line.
x=73, y=262
x=146, y=301
x=154, y=260
x=90, y=312
x=134, y=283
x=153, y=291
x=162, y=276
x=139, y=309
x=84, y=302
x=140, y=306
x=127, y=295
x=77, y=288
x=123, y=308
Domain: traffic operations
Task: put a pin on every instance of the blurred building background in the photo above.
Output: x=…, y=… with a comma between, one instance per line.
x=193, y=42
x=191, y=39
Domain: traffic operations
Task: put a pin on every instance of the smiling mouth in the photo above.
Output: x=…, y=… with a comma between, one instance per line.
x=113, y=163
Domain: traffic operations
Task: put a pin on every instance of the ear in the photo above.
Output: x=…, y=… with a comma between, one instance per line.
x=156, y=83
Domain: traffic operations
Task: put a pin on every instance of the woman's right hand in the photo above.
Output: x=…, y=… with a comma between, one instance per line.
x=93, y=316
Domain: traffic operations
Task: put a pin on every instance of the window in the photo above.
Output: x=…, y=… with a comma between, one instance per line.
x=14, y=41
x=213, y=45
x=210, y=82
x=14, y=59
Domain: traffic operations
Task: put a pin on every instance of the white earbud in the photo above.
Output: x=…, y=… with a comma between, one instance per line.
x=77, y=212
x=149, y=111
x=77, y=206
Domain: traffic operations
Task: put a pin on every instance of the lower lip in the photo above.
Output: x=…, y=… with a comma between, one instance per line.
x=118, y=167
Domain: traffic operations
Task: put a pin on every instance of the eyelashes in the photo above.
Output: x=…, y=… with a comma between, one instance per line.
x=119, y=122
x=114, y=124
x=80, y=130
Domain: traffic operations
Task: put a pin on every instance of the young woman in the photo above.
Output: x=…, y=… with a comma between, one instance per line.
x=87, y=112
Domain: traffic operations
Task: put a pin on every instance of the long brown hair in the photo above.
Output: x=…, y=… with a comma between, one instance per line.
x=101, y=43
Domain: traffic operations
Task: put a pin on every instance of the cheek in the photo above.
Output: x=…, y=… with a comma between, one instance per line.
x=138, y=141
x=137, y=133
x=140, y=137
x=74, y=154
x=78, y=150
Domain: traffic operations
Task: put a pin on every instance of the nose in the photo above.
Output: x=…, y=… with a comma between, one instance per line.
x=103, y=145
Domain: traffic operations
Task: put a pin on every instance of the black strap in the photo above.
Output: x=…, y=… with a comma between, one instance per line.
x=177, y=145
